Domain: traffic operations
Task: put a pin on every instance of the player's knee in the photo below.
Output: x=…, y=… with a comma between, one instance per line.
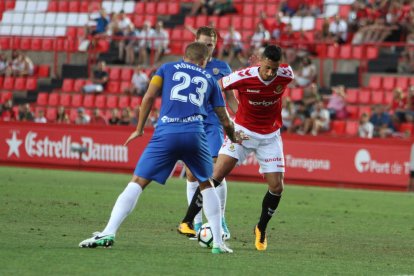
x=277, y=187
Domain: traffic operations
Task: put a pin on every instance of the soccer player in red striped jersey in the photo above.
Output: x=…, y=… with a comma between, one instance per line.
x=260, y=89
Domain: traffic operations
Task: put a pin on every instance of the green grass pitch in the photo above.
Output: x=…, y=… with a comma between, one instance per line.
x=44, y=214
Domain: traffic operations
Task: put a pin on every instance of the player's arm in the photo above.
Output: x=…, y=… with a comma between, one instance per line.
x=226, y=122
x=230, y=98
x=152, y=93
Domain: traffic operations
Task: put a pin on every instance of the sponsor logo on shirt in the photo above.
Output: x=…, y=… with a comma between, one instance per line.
x=226, y=81
x=194, y=118
x=253, y=90
x=263, y=103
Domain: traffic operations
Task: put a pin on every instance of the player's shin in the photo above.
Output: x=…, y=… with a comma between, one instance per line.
x=194, y=207
x=211, y=208
x=123, y=206
x=269, y=206
x=221, y=188
x=191, y=189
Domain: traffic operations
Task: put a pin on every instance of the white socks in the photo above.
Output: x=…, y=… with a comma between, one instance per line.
x=191, y=188
x=222, y=194
x=211, y=207
x=123, y=206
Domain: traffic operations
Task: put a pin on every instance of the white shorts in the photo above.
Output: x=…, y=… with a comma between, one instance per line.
x=268, y=150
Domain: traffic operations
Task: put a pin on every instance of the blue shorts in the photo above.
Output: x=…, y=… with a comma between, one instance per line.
x=163, y=151
x=215, y=138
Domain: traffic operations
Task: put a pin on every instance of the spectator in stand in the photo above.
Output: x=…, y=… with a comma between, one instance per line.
x=306, y=73
x=409, y=114
x=6, y=111
x=365, y=128
x=161, y=41
x=210, y=7
x=139, y=82
x=290, y=7
x=288, y=40
x=82, y=118
x=114, y=120
x=301, y=118
x=319, y=120
x=288, y=115
x=232, y=46
x=98, y=23
x=40, y=117
x=62, y=116
x=4, y=64
x=405, y=63
x=135, y=115
x=25, y=114
x=97, y=118
x=338, y=28
x=125, y=119
x=324, y=35
x=127, y=45
x=145, y=43
x=398, y=106
x=99, y=79
x=21, y=66
x=274, y=25
x=382, y=121
x=259, y=40
x=310, y=97
x=337, y=103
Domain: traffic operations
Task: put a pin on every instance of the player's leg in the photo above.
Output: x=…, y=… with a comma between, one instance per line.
x=230, y=154
x=192, y=185
x=155, y=163
x=271, y=160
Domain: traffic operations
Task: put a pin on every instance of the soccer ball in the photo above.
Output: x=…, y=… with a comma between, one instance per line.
x=205, y=236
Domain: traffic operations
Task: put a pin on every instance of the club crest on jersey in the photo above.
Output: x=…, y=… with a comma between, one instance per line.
x=226, y=80
x=232, y=148
x=216, y=71
x=278, y=89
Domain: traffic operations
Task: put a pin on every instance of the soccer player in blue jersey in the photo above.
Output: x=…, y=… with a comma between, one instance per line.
x=214, y=131
x=185, y=88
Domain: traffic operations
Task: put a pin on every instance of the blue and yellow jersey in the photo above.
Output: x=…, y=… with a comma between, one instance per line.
x=186, y=91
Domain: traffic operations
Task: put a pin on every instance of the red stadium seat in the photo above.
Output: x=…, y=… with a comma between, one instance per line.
x=150, y=8
x=1, y=81
x=352, y=95
x=25, y=43
x=48, y=44
x=79, y=84
x=89, y=101
x=114, y=73
x=296, y=94
x=388, y=97
x=135, y=101
x=139, y=8
x=111, y=101
x=51, y=114
x=357, y=52
x=100, y=101
x=377, y=97
x=72, y=32
x=43, y=71
x=67, y=85
x=31, y=83
x=237, y=22
x=407, y=128
x=344, y=10
x=8, y=83
x=157, y=103
x=63, y=6
x=4, y=43
x=338, y=127
x=345, y=51
x=162, y=8
x=375, y=82
x=42, y=99
x=73, y=114
x=20, y=83
x=113, y=87
x=173, y=7
x=5, y=96
x=224, y=22
x=248, y=10
x=364, y=109
x=53, y=99
x=364, y=96
x=351, y=128
x=84, y=6
x=372, y=52
x=126, y=74
x=402, y=82
x=74, y=6
x=124, y=101
x=77, y=100
x=388, y=82
x=124, y=85
x=352, y=111
x=332, y=51
x=53, y=6
x=65, y=100
x=36, y=44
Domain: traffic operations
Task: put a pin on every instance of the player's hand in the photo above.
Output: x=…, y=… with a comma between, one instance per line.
x=133, y=136
x=240, y=136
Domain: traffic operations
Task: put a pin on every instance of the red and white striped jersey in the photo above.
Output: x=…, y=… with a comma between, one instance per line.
x=260, y=103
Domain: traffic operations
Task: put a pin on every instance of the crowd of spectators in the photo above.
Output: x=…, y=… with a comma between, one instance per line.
x=18, y=65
